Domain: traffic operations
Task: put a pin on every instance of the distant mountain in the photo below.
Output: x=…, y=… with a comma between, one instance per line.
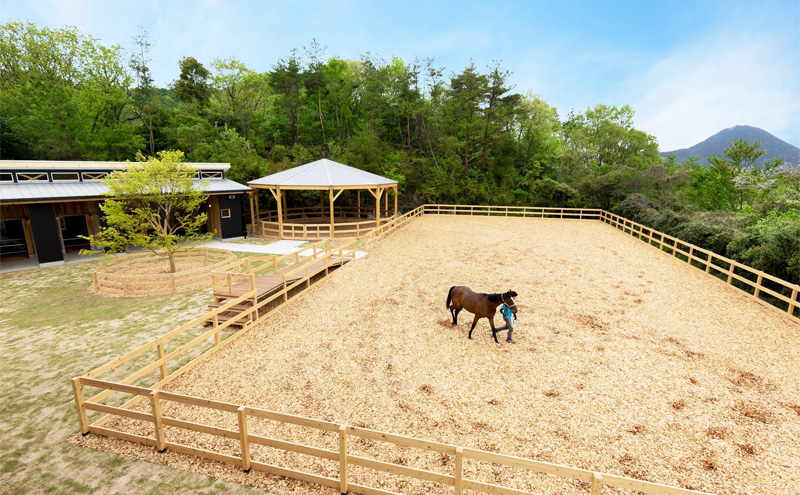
x=716, y=144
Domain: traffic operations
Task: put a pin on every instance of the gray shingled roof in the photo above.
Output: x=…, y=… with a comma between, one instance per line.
x=39, y=191
x=322, y=173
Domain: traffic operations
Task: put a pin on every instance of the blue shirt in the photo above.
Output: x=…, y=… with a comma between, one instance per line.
x=506, y=312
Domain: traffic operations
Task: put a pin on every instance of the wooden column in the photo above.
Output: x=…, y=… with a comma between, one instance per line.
x=333, y=198
x=252, y=214
x=279, y=197
x=378, y=207
x=258, y=212
x=358, y=206
x=330, y=194
x=386, y=202
x=395, y=201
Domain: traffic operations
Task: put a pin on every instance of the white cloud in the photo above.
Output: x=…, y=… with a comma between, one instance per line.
x=717, y=83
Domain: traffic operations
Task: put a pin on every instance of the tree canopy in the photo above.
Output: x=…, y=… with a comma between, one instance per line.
x=463, y=137
x=153, y=204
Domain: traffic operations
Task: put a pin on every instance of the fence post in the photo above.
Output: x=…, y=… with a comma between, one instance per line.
x=124, y=286
x=758, y=285
x=77, y=388
x=205, y=253
x=792, y=305
x=459, y=470
x=343, y=459
x=274, y=264
x=730, y=272
x=709, y=257
x=158, y=424
x=161, y=355
x=244, y=441
x=597, y=483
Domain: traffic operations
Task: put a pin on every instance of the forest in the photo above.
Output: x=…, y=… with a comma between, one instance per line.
x=464, y=137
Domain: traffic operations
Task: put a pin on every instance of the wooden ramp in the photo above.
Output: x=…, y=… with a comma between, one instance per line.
x=268, y=284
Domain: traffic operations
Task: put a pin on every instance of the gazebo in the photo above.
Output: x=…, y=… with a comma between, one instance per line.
x=325, y=220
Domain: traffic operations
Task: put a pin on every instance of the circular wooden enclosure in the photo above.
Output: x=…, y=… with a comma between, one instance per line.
x=147, y=274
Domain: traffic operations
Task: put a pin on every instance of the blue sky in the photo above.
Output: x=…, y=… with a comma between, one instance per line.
x=688, y=68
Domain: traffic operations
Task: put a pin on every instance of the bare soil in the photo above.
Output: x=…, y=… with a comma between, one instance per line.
x=628, y=362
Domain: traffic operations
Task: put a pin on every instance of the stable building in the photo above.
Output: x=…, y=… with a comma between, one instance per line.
x=45, y=206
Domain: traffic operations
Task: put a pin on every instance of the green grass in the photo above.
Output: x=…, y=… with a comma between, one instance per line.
x=52, y=329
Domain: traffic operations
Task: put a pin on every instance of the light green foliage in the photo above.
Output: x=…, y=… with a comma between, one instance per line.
x=62, y=96
x=155, y=205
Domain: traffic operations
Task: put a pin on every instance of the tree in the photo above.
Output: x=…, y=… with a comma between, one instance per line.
x=62, y=96
x=144, y=96
x=192, y=84
x=154, y=204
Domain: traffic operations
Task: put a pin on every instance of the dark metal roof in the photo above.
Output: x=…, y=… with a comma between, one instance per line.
x=29, y=191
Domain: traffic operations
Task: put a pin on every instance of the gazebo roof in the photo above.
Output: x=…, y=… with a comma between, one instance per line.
x=323, y=174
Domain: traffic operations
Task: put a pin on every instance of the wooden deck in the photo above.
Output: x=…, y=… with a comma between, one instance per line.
x=267, y=285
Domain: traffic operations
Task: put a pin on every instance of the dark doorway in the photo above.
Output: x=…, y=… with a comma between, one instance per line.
x=71, y=227
x=12, y=237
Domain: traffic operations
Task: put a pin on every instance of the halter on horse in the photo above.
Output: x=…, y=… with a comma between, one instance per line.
x=481, y=305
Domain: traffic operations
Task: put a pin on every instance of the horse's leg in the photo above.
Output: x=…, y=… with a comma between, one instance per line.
x=474, y=322
x=455, y=316
x=494, y=330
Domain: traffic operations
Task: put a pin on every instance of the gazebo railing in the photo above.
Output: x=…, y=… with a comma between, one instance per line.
x=318, y=212
x=308, y=231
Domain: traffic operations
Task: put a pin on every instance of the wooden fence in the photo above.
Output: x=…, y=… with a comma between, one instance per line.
x=112, y=277
x=768, y=290
x=246, y=461
x=762, y=287
x=377, y=235
x=157, y=363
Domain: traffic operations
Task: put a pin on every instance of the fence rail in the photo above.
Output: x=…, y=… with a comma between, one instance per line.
x=243, y=457
x=783, y=296
x=768, y=290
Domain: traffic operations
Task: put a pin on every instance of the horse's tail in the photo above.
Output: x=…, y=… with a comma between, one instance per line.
x=450, y=296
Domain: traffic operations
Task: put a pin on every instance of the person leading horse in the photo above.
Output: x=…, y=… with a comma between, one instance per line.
x=479, y=304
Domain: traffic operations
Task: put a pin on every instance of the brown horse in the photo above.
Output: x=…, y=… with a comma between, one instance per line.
x=481, y=305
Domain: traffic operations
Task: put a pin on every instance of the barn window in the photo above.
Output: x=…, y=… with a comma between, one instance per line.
x=61, y=176
x=32, y=176
x=226, y=213
x=4, y=177
x=94, y=175
x=210, y=175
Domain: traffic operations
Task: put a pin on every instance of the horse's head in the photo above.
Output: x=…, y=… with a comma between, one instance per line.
x=508, y=300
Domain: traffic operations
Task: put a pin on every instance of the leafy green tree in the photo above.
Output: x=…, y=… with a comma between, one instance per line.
x=62, y=96
x=192, y=85
x=154, y=204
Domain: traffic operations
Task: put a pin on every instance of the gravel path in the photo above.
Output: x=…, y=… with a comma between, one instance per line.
x=628, y=362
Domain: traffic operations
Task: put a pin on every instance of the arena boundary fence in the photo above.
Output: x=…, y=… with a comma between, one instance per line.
x=764, y=288
x=155, y=396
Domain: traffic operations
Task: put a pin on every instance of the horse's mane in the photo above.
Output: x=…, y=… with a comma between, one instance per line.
x=499, y=297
